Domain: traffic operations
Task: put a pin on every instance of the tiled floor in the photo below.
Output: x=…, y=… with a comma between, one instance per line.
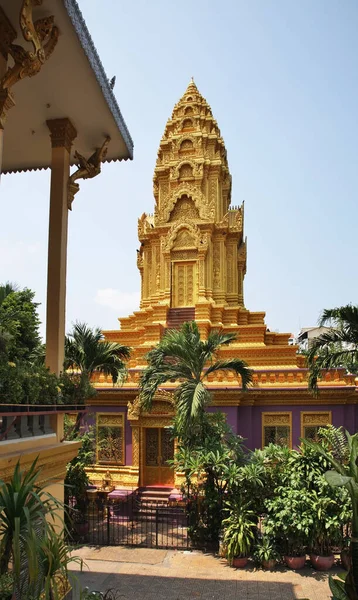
x=147, y=574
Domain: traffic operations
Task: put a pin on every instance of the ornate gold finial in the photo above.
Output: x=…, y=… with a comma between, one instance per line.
x=43, y=35
x=88, y=168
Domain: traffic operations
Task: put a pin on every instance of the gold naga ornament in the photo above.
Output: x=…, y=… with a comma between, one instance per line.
x=87, y=169
x=42, y=34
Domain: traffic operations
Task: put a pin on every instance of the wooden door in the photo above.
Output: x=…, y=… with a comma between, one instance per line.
x=184, y=284
x=158, y=449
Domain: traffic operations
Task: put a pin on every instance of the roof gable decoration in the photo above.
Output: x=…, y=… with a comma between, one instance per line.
x=89, y=48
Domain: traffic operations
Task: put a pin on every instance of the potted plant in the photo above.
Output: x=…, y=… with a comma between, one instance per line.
x=324, y=530
x=266, y=553
x=239, y=533
x=289, y=520
x=76, y=483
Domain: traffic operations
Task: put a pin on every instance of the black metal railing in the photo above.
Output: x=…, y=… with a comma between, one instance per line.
x=132, y=522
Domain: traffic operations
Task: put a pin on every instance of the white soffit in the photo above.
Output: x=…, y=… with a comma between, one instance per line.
x=72, y=84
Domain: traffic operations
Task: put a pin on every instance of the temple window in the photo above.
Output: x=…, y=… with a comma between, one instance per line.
x=110, y=439
x=186, y=145
x=312, y=421
x=185, y=171
x=187, y=124
x=277, y=428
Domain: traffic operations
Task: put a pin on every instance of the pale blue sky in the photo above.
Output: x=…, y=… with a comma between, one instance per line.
x=281, y=77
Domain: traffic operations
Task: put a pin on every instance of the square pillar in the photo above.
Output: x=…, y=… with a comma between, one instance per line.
x=62, y=135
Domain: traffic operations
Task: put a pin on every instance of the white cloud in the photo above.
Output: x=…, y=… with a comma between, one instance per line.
x=123, y=302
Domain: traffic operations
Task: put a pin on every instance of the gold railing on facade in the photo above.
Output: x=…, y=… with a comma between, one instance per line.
x=261, y=378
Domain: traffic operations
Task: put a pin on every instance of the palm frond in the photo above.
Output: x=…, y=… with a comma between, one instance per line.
x=87, y=350
x=215, y=340
x=234, y=364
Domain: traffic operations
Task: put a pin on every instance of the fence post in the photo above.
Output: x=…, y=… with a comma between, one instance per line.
x=156, y=527
x=108, y=518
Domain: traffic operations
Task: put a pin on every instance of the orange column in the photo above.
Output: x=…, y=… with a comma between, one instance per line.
x=62, y=135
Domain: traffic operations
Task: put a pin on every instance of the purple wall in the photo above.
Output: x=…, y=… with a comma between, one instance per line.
x=250, y=420
x=231, y=413
x=247, y=420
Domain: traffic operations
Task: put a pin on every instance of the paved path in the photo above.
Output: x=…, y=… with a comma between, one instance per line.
x=149, y=574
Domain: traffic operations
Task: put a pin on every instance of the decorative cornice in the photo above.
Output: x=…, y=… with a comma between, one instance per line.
x=89, y=48
x=62, y=133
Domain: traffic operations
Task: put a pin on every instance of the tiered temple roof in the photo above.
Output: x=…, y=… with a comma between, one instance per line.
x=192, y=261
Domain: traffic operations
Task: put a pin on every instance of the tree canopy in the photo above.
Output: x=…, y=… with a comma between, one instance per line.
x=336, y=347
x=87, y=350
x=182, y=356
x=19, y=318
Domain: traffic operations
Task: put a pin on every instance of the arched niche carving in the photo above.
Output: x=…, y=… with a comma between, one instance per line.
x=178, y=172
x=186, y=145
x=184, y=239
x=184, y=210
x=187, y=124
x=163, y=404
x=189, y=99
x=185, y=235
x=193, y=192
x=186, y=171
x=188, y=110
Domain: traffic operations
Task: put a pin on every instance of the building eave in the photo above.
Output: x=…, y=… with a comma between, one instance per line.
x=90, y=50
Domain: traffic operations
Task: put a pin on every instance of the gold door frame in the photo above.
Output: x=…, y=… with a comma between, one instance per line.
x=173, y=286
x=161, y=416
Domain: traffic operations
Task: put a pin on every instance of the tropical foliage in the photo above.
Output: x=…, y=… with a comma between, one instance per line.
x=240, y=528
x=87, y=351
x=337, y=346
x=286, y=490
x=30, y=541
x=183, y=357
x=341, y=453
x=19, y=317
x=210, y=463
x=76, y=481
x=24, y=379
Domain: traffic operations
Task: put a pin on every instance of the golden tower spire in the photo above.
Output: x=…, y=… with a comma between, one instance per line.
x=185, y=257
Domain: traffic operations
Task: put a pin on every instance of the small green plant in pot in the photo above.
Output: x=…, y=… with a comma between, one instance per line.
x=328, y=513
x=266, y=553
x=289, y=520
x=239, y=533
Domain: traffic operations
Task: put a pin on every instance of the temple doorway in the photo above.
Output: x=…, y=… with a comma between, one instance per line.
x=158, y=449
x=183, y=284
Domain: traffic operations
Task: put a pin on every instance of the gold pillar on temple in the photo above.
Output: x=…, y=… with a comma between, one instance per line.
x=192, y=249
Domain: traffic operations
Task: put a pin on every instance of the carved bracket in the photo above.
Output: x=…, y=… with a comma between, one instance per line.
x=43, y=35
x=87, y=169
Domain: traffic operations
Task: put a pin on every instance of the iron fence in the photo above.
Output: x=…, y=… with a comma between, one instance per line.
x=133, y=522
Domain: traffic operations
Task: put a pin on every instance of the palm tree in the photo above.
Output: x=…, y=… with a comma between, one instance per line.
x=336, y=347
x=87, y=350
x=182, y=356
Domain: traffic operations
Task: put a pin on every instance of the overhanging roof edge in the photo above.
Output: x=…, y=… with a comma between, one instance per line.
x=89, y=48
